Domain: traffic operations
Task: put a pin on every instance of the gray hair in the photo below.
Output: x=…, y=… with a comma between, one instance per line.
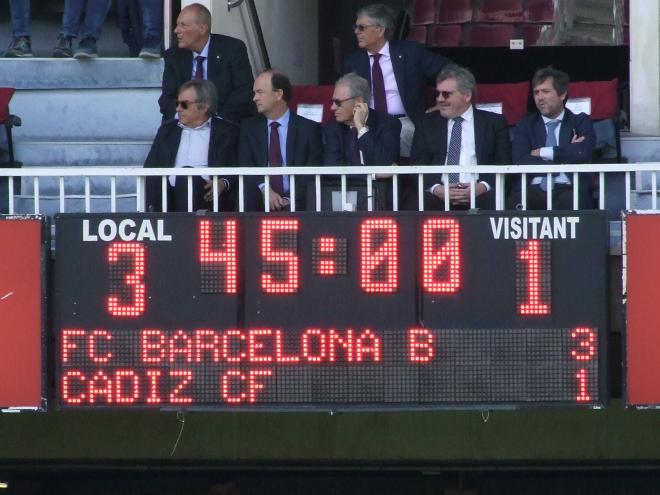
x=358, y=86
x=464, y=78
x=382, y=15
x=205, y=92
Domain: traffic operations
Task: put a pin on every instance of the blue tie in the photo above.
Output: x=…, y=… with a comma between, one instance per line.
x=550, y=141
x=454, y=149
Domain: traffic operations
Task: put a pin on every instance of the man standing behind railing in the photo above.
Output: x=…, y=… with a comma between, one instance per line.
x=553, y=135
x=458, y=134
x=277, y=137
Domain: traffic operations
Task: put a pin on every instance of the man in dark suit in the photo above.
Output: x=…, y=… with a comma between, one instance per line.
x=398, y=71
x=277, y=137
x=215, y=57
x=553, y=135
x=360, y=135
x=196, y=139
x=458, y=134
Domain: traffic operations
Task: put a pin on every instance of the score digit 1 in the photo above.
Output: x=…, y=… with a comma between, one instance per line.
x=127, y=285
x=533, y=278
x=586, y=350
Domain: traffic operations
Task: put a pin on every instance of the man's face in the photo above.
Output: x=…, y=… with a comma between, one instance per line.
x=190, y=34
x=264, y=97
x=369, y=36
x=194, y=114
x=451, y=102
x=344, y=110
x=547, y=100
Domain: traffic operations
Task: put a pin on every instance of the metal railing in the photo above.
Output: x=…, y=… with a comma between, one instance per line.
x=32, y=177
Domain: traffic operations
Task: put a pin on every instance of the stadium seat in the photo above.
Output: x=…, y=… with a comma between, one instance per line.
x=314, y=95
x=454, y=11
x=512, y=96
x=418, y=34
x=541, y=11
x=423, y=12
x=491, y=34
x=504, y=11
x=8, y=121
x=442, y=35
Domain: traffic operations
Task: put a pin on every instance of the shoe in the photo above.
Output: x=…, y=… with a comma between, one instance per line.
x=19, y=47
x=63, y=47
x=86, y=49
x=150, y=50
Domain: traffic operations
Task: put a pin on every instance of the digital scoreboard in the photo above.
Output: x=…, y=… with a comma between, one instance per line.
x=330, y=311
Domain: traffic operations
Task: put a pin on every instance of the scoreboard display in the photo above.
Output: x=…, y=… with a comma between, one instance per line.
x=330, y=311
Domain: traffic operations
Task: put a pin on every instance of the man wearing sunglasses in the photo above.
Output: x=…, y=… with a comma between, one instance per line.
x=214, y=57
x=359, y=135
x=458, y=134
x=197, y=139
x=398, y=71
x=277, y=137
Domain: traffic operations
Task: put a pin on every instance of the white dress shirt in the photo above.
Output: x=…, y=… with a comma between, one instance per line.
x=193, y=148
x=548, y=153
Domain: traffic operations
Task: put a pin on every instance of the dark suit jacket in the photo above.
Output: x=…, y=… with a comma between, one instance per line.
x=379, y=146
x=228, y=67
x=414, y=66
x=303, y=147
x=530, y=134
x=223, y=149
x=491, y=137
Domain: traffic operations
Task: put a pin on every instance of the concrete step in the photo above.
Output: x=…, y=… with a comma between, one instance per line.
x=82, y=153
x=50, y=206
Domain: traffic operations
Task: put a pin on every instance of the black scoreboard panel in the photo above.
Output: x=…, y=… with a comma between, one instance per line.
x=331, y=311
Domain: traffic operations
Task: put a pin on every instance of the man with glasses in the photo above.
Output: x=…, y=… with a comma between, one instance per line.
x=359, y=135
x=277, y=137
x=397, y=71
x=458, y=134
x=197, y=139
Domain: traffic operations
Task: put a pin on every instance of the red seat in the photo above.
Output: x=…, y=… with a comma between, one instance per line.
x=454, y=11
x=603, y=94
x=491, y=34
x=444, y=35
x=8, y=121
x=418, y=34
x=423, y=12
x=542, y=11
x=513, y=97
x=504, y=11
x=313, y=95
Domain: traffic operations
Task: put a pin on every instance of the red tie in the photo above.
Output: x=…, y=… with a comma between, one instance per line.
x=378, y=83
x=275, y=158
x=199, y=67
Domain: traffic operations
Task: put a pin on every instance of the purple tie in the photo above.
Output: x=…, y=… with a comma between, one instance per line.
x=275, y=158
x=378, y=83
x=199, y=67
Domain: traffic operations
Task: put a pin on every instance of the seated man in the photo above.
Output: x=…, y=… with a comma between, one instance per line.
x=458, y=134
x=553, y=135
x=359, y=135
x=277, y=137
x=196, y=139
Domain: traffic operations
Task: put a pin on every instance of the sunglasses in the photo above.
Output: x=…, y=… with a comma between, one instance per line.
x=446, y=94
x=362, y=27
x=185, y=103
x=339, y=102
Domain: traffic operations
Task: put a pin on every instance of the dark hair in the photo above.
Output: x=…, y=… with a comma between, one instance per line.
x=203, y=14
x=205, y=92
x=279, y=80
x=559, y=79
x=464, y=78
x=382, y=15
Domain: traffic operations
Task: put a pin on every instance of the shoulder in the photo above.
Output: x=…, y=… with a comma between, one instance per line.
x=175, y=53
x=489, y=117
x=221, y=41
x=303, y=122
x=355, y=56
x=223, y=125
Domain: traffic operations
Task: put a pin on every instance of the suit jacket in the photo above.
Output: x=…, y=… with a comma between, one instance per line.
x=228, y=67
x=491, y=139
x=303, y=147
x=530, y=134
x=223, y=149
x=414, y=66
x=379, y=146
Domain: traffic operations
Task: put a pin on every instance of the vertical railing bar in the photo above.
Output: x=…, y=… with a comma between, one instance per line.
x=523, y=190
x=654, y=190
x=292, y=191
x=215, y=194
x=35, y=187
x=189, y=180
x=267, y=193
x=548, y=192
x=62, y=201
x=601, y=190
x=576, y=187
x=445, y=180
x=163, y=191
x=395, y=192
x=317, y=188
x=628, y=190
x=11, y=195
x=241, y=191
x=473, y=192
x=370, y=193
x=343, y=191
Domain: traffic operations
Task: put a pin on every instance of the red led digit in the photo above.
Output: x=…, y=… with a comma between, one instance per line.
x=121, y=377
x=134, y=279
x=177, y=397
x=327, y=245
x=379, y=255
x=218, y=263
x=313, y=345
x=534, y=290
x=583, y=395
x=421, y=345
x=586, y=341
x=283, y=263
x=441, y=268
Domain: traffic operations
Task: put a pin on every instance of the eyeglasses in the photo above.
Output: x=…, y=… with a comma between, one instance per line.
x=446, y=94
x=362, y=27
x=184, y=103
x=339, y=102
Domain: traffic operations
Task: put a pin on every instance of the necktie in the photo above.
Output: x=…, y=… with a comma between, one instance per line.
x=550, y=141
x=454, y=149
x=199, y=67
x=378, y=83
x=275, y=158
